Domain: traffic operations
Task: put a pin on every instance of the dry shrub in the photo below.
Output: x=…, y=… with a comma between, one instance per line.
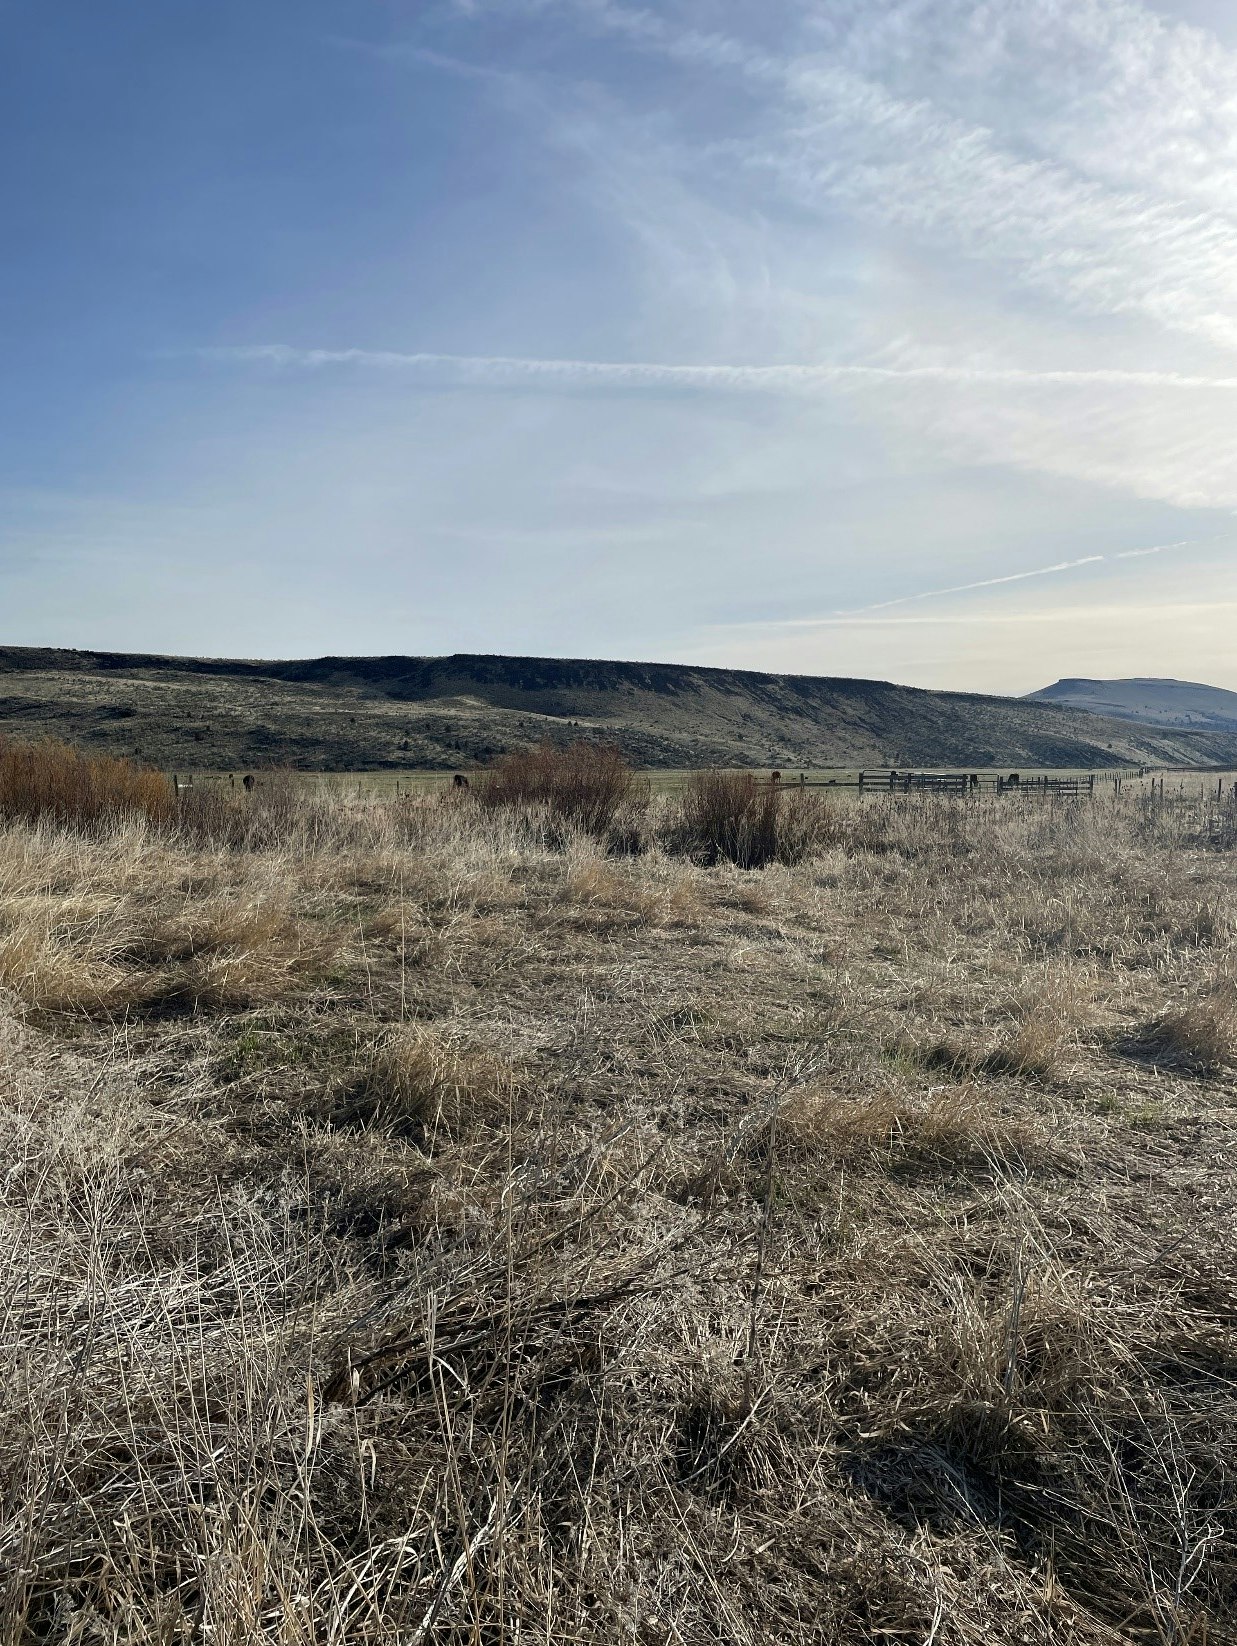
x=54, y=783
x=739, y=818
x=209, y=814
x=630, y=832
x=583, y=784
x=810, y=824
x=732, y=816
x=423, y=1082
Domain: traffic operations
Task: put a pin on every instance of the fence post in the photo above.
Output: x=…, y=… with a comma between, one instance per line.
x=860, y=782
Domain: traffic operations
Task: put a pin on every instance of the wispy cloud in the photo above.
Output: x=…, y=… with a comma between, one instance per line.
x=1155, y=433
x=1126, y=208
x=1117, y=90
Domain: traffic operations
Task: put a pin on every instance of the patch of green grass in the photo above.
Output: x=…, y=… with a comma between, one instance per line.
x=266, y=1043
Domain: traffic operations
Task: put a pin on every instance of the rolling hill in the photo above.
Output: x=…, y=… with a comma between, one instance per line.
x=1175, y=703
x=370, y=713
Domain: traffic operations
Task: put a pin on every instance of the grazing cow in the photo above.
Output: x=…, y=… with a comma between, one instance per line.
x=459, y=781
x=248, y=781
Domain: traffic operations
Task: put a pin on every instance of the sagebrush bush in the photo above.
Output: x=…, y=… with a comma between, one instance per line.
x=55, y=783
x=742, y=819
x=582, y=783
x=732, y=816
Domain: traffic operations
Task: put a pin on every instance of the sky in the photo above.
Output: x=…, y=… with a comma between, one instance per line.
x=887, y=338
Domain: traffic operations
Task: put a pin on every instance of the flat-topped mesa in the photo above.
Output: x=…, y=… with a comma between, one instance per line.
x=462, y=709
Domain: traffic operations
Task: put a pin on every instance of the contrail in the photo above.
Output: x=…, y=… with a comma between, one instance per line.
x=1010, y=577
x=484, y=369
x=862, y=613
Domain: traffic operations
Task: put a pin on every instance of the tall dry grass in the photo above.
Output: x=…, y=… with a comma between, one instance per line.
x=519, y=1242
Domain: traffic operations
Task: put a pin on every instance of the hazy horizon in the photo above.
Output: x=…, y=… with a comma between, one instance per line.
x=893, y=340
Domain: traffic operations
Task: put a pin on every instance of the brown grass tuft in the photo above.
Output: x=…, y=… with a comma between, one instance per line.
x=1201, y=1035
x=952, y=1123
x=424, y=1083
x=1049, y=1016
x=228, y=955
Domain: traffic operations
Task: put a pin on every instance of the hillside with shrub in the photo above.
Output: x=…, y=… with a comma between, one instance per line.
x=409, y=713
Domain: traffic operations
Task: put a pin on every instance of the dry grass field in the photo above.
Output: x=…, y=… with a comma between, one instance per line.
x=430, y=1221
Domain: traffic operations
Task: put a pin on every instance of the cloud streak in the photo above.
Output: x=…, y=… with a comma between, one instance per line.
x=1159, y=434
x=489, y=370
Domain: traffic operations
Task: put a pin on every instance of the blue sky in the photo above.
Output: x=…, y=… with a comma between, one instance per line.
x=877, y=337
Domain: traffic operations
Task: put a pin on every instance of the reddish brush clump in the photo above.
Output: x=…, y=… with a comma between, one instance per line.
x=54, y=782
x=583, y=783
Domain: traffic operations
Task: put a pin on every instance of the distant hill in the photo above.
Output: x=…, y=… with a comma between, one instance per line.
x=371, y=713
x=1175, y=703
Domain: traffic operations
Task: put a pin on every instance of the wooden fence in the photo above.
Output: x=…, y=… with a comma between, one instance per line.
x=948, y=783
